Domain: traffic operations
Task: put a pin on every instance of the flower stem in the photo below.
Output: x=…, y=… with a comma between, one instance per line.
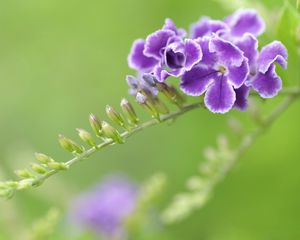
x=39, y=180
x=181, y=207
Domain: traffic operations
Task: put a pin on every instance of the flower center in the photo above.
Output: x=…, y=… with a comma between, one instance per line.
x=222, y=70
x=174, y=60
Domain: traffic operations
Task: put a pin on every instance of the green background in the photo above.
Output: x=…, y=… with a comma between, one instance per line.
x=61, y=60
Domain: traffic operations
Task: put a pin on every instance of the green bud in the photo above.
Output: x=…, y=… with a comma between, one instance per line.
x=96, y=125
x=69, y=145
x=23, y=173
x=38, y=168
x=57, y=166
x=8, y=184
x=171, y=93
x=177, y=96
x=128, y=109
x=42, y=158
x=111, y=132
x=115, y=116
x=25, y=184
x=86, y=137
x=160, y=106
x=298, y=5
x=147, y=103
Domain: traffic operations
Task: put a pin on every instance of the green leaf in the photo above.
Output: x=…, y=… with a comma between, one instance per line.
x=288, y=33
x=288, y=25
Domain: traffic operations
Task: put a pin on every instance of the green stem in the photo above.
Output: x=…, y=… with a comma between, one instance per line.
x=250, y=139
x=39, y=180
x=176, y=212
x=292, y=92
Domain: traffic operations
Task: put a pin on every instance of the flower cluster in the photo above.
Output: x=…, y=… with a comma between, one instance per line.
x=105, y=207
x=218, y=59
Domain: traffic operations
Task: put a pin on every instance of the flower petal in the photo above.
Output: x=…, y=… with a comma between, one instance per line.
x=268, y=84
x=206, y=26
x=220, y=96
x=196, y=81
x=273, y=52
x=174, y=55
x=156, y=41
x=238, y=75
x=193, y=53
x=170, y=25
x=160, y=73
x=137, y=60
x=245, y=21
x=248, y=44
x=208, y=58
x=241, y=101
x=228, y=54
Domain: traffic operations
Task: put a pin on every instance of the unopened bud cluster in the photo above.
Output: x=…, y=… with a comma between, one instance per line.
x=31, y=177
x=120, y=125
x=146, y=91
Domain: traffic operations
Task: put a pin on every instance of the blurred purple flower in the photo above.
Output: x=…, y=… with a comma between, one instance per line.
x=207, y=27
x=105, y=207
x=245, y=21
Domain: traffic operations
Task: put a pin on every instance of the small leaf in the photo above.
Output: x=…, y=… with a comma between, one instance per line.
x=287, y=32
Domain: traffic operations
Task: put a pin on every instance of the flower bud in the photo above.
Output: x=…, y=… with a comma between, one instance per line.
x=111, y=132
x=141, y=98
x=23, y=173
x=95, y=124
x=42, y=158
x=128, y=109
x=57, y=166
x=38, y=168
x=69, y=145
x=86, y=137
x=160, y=106
x=114, y=116
x=25, y=184
x=146, y=102
x=171, y=94
x=11, y=184
x=150, y=79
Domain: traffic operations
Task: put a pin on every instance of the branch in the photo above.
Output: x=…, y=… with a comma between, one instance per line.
x=124, y=136
x=219, y=163
x=9, y=188
x=47, y=167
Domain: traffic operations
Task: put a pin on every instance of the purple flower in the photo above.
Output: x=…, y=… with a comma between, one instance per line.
x=105, y=207
x=157, y=42
x=179, y=57
x=248, y=44
x=207, y=27
x=245, y=21
x=136, y=58
x=266, y=82
x=221, y=60
x=241, y=97
x=222, y=69
x=170, y=25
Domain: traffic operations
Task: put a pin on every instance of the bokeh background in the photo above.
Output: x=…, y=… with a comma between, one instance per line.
x=61, y=60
